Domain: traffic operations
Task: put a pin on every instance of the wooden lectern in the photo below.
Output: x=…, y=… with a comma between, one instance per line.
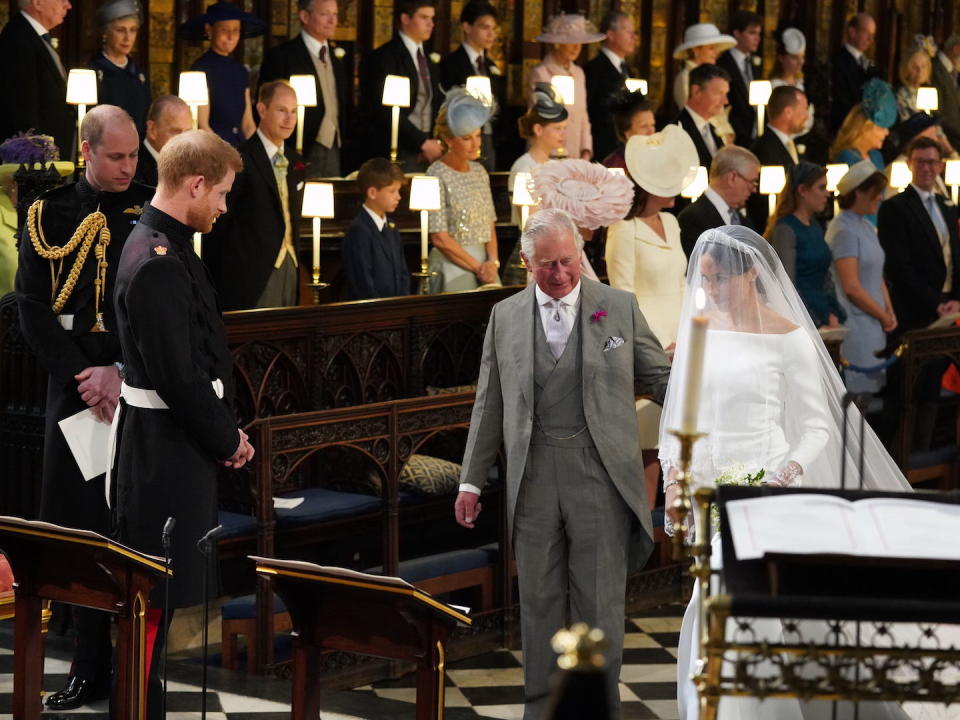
x=337, y=609
x=77, y=567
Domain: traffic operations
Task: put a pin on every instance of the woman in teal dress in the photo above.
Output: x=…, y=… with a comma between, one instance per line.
x=230, y=112
x=797, y=237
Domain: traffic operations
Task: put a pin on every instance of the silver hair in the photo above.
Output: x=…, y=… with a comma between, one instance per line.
x=732, y=159
x=547, y=222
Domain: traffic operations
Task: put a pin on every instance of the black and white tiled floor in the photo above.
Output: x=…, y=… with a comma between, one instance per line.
x=487, y=686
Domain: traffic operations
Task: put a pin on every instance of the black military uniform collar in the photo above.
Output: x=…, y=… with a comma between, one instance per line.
x=169, y=226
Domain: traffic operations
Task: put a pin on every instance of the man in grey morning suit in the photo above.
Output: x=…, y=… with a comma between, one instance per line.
x=557, y=389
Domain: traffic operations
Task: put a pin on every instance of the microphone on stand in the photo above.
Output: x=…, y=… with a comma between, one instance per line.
x=166, y=539
x=205, y=546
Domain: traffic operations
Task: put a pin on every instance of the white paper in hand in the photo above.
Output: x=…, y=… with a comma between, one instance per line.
x=89, y=441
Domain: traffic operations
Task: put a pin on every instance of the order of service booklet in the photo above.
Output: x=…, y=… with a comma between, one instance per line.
x=811, y=524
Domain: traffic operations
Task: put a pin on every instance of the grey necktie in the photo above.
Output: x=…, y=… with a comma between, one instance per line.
x=556, y=330
x=735, y=217
x=937, y=218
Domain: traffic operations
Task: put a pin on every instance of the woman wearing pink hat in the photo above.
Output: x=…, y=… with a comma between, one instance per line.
x=566, y=35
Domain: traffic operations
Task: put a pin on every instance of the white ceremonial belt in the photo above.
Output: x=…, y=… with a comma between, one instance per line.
x=141, y=398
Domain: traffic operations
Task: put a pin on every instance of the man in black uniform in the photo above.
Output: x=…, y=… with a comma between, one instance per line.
x=176, y=424
x=66, y=313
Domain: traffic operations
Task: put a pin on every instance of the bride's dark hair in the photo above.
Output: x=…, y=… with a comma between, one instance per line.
x=734, y=260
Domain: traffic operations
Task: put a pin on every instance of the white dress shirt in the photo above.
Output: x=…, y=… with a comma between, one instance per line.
x=787, y=141
x=152, y=150
x=618, y=62
x=721, y=205
x=377, y=220
x=268, y=145
x=742, y=60
x=569, y=305
x=413, y=48
x=862, y=61
x=943, y=232
x=35, y=24
x=313, y=45
x=703, y=127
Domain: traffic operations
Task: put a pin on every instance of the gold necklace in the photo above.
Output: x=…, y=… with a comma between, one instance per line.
x=93, y=225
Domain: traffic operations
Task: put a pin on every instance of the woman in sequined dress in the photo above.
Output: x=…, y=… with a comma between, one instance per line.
x=462, y=231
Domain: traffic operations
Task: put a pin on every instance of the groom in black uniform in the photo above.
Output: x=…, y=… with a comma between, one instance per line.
x=176, y=424
x=71, y=328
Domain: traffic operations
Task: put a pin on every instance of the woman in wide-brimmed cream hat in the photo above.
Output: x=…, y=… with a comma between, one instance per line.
x=644, y=255
x=702, y=43
x=565, y=35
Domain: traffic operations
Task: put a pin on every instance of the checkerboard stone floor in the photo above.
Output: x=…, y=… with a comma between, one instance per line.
x=486, y=686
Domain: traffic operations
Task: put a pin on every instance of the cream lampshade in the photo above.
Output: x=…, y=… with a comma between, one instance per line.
x=697, y=185
x=759, y=96
x=81, y=91
x=193, y=91
x=521, y=196
x=928, y=99
x=305, y=86
x=479, y=87
x=900, y=175
x=317, y=204
x=835, y=171
x=424, y=196
x=563, y=86
x=952, y=178
x=773, y=178
x=396, y=94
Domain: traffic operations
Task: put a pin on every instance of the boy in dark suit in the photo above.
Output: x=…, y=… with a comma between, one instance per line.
x=404, y=55
x=738, y=62
x=373, y=259
x=478, y=21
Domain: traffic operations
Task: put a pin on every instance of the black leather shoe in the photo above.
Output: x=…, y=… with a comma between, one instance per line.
x=78, y=692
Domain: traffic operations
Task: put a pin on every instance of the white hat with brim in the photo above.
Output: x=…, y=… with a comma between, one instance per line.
x=703, y=34
x=664, y=163
x=64, y=167
x=856, y=176
x=569, y=29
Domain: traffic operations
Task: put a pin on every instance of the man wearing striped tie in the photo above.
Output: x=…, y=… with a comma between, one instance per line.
x=33, y=82
x=252, y=251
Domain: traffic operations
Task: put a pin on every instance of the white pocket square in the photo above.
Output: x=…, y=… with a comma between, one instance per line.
x=612, y=343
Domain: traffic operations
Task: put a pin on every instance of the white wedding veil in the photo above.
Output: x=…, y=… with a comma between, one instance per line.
x=771, y=394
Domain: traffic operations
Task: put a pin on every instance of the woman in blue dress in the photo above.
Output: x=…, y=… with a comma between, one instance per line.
x=230, y=112
x=858, y=260
x=797, y=237
x=120, y=81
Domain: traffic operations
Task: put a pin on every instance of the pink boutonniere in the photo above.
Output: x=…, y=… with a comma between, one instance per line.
x=598, y=315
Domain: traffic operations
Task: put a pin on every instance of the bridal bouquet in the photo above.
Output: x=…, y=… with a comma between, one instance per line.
x=735, y=475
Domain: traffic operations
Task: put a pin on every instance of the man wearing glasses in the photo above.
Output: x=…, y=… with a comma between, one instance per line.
x=734, y=177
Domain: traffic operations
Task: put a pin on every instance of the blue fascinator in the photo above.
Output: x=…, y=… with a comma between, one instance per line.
x=879, y=104
x=465, y=113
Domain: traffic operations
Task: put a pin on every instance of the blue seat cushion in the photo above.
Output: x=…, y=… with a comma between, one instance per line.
x=936, y=456
x=236, y=524
x=245, y=607
x=321, y=505
x=433, y=566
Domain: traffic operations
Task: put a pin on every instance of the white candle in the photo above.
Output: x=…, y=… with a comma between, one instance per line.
x=197, y=243
x=316, y=249
x=424, y=246
x=394, y=129
x=695, y=351
x=301, y=112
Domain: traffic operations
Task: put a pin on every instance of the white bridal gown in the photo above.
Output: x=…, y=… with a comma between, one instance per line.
x=758, y=390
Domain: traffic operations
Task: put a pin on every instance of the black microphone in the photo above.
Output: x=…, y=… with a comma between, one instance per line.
x=168, y=527
x=203, y=544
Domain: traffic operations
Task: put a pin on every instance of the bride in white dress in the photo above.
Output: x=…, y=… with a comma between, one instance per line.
x=771, y=399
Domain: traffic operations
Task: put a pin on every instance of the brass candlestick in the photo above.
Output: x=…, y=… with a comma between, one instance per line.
x=424, y=276
x=683, y=504
x=316, y=286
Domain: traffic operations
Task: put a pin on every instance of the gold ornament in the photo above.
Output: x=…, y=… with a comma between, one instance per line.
x=93, y=225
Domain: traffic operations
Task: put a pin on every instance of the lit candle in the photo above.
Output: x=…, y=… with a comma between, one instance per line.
x=424, y=223
x=394, y=130
x=696, y=344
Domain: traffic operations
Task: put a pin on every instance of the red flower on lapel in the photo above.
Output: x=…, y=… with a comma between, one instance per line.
x=298, y=166
x=598, y=315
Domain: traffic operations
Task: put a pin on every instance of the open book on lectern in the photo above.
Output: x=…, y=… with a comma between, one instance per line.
x=814, y=524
